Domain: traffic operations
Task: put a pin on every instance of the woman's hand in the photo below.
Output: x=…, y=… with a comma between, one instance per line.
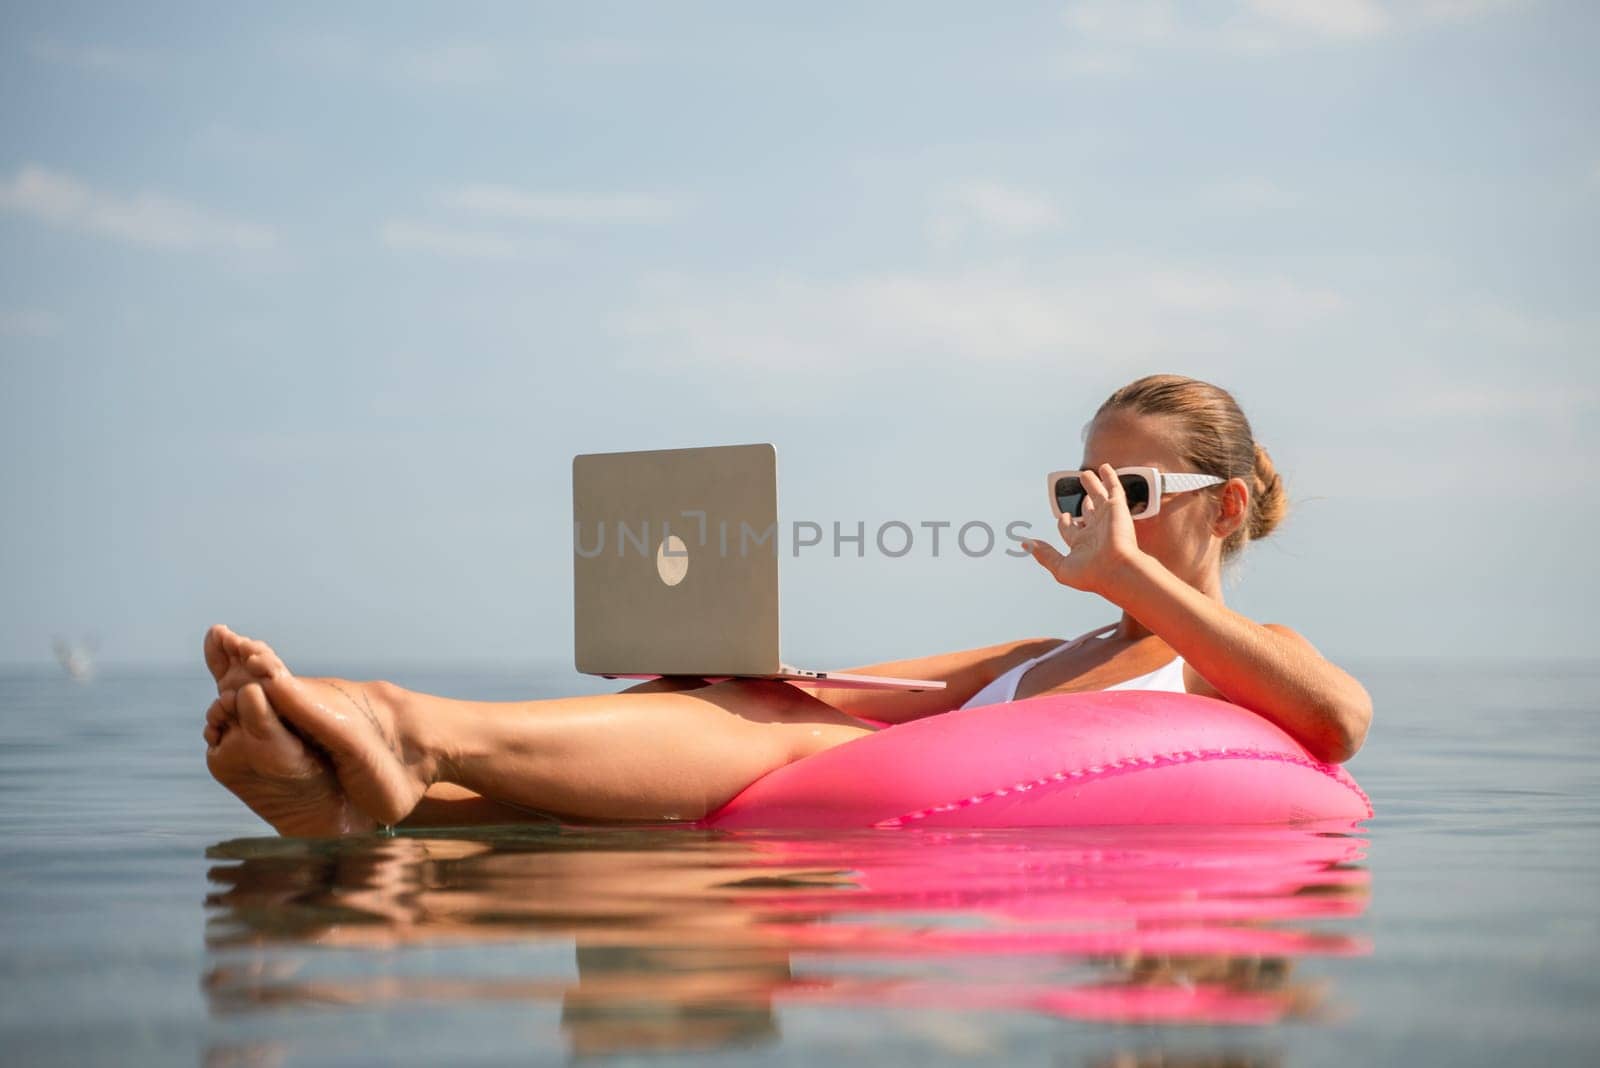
x=1100, y=545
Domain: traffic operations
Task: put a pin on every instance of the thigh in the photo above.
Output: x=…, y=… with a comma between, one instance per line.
x=667, y=684
x=806, y=723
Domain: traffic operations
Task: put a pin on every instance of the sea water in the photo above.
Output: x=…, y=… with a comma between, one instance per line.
x=147, y=917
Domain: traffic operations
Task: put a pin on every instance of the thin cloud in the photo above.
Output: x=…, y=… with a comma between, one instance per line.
x=459, y=62
x=93, y=59
x=506, y=202
x=1458, y=10
x=462, y=63
x=1556, y=401
x=402, y=235
x=497, y=209
x=1342, y=19
x=1508, y=329
x=1525, y=366
x=1276, y=302
x=141, y=219
x=443, y=63
x=600, y=52
x=1513, y=470
x=1146, y=22
x=991, y=208
x=1248, y=194
x=28, y=323
x=1116, y=37
x=957, y=319
x=246, y=145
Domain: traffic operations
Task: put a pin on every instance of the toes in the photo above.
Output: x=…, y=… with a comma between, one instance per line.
x=260, y=720
x=230, y=646
x=216, y=652
x=263, y=663
x=232, y=643
x=218, y=718
x=256, y=714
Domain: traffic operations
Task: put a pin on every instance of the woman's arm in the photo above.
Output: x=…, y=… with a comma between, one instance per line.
x=964, y=673
x=1267, y=668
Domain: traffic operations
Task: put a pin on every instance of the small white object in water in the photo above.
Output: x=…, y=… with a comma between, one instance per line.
x=76, y=658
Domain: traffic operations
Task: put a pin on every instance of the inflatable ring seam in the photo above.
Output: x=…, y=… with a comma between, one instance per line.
x=1116, y=767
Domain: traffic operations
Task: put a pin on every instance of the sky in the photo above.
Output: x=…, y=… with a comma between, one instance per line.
x=305, y=309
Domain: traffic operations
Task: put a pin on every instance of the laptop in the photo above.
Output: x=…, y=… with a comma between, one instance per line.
x=675, y=568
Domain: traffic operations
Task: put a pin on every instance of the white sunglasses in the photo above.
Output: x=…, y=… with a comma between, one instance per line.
x=1143, y=486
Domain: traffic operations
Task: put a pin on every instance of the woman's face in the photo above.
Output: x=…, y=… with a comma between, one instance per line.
x=1186, y=534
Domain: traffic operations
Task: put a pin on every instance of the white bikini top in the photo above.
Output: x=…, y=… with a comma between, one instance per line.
x=1168, y=677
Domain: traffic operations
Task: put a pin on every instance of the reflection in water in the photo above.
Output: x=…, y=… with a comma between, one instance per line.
x=686, y=939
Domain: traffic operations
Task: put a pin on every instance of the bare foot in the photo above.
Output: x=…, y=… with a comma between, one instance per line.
x=253, y=754
x=381, y=768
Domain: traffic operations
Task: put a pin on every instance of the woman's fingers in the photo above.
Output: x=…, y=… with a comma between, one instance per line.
x=1094, y=488
x=1069, y=529
x=1115, y=492
x=1046, y=554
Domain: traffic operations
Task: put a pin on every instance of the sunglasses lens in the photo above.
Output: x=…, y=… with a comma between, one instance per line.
x=1137, y=491
x=1069, y=496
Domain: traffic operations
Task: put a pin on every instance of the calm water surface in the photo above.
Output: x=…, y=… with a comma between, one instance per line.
x=146, y=916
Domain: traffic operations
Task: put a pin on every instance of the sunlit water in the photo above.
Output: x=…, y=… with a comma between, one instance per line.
x=146, y=916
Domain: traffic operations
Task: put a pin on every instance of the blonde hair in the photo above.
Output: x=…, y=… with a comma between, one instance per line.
x=1214, y=438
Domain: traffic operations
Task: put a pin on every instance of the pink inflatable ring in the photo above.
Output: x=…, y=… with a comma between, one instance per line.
x=1069, y=760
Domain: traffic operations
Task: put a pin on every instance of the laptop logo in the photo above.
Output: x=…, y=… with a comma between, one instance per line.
x=672, y=560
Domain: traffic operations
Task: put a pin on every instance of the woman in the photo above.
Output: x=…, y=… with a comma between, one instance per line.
x=679, y=749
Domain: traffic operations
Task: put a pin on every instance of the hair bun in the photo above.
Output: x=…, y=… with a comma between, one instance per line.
x=1270, y=504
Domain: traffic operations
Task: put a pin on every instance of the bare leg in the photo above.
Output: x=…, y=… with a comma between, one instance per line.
x=660, y=755
x=640, y=755
x=291, y=784
x=667, y=684
x=448, y=805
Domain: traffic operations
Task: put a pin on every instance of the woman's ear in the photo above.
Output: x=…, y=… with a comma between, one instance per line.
x=1233, y=506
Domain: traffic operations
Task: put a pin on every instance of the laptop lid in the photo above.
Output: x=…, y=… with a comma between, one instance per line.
x=675, y=561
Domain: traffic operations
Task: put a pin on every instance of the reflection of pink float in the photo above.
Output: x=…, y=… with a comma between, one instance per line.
x=1154, y=923
x=1070, y=760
